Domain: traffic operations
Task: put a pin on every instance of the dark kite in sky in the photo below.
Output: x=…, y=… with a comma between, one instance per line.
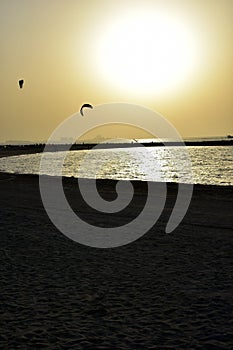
x=86, y=105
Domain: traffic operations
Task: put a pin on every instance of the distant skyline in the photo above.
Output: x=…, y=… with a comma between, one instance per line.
x=174, y=57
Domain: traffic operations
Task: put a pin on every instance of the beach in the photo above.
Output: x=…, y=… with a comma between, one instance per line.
x=163, y=291
x=116, y=175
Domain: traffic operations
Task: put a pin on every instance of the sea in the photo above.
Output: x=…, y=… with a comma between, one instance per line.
x=208, y=165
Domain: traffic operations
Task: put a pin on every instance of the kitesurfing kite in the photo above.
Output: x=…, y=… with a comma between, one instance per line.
x=86, y=105
x=21, y=82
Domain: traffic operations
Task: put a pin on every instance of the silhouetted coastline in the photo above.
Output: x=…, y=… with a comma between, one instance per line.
x=8, y=150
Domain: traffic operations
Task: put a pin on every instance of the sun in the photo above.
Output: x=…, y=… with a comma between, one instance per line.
x=146, y=53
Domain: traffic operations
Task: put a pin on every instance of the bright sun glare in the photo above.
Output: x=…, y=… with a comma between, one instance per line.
x=147, y=53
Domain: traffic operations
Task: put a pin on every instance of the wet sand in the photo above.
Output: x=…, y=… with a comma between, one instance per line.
x=163, y=291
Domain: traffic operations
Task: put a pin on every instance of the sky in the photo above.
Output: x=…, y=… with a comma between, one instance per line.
x=174, y=57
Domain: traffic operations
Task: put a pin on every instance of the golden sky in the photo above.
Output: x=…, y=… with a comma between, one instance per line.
x=175, y=57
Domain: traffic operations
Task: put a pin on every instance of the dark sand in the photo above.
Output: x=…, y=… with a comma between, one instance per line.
x=163, y=291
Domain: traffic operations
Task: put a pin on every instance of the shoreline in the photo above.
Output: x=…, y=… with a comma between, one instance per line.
x=17, y=151
x=162, y=290
x=5, y=174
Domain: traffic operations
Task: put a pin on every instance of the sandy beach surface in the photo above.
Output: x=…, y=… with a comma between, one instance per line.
x=163, y=291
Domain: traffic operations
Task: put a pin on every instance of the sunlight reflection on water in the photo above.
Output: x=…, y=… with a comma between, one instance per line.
x=210, y=164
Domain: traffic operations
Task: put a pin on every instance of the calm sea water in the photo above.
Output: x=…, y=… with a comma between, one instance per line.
x=212, y=165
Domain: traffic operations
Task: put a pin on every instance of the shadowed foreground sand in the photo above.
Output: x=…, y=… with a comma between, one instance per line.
x=161, y=292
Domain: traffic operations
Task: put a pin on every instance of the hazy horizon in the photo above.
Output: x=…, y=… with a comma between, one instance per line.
x=99, y=139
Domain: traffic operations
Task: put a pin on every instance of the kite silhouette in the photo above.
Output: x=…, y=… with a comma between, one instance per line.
x=21, y=82
x=86, y=105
